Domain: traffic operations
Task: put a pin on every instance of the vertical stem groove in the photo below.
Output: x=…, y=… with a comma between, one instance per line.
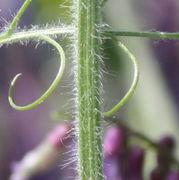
x=88, y=114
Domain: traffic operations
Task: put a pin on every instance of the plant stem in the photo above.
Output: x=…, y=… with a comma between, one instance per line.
x=88, y=116
x=161, y=35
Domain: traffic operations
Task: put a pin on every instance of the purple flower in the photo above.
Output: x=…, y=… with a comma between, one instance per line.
x=114, y=153
x=120, y=161
x=135, y=163
x=113, y=141
x=59, y=135
x=168, y=142
x=163, y=158
x=159, y=173
x=173, y=176
x=43, y=157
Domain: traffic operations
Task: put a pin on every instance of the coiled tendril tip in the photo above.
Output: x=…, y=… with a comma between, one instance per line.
x=52, y=87
x=17, y=76
x=13, y=82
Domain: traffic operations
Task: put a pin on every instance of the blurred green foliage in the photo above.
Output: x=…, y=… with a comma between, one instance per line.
x=57, y=11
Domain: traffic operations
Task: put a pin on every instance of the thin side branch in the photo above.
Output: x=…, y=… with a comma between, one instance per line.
x=18, y=16
x=161, y=35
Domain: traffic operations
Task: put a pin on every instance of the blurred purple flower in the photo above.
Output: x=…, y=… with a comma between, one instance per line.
x=59, y=135
x=168, y=142
x=113, y=141
x=43, y=157
x=120, y=161
x=163, y=160
x=173, y=176
x=135, y=163
x=159, y=173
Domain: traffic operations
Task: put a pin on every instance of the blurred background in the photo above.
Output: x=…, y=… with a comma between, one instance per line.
x=153, y=110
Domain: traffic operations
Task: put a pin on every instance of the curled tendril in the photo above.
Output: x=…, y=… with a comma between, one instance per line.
x=134, y=83
x=52, y=86
x=9, y=38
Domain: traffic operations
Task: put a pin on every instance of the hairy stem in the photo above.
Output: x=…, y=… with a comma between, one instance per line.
x=88, y=116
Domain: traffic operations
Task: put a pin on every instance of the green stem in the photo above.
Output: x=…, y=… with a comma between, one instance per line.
x=161, y=35
x=88, y=114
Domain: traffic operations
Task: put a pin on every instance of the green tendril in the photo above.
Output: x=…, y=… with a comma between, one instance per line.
x=10, y=37
x=134, y=83
x=17, y=17
x=52, y=87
